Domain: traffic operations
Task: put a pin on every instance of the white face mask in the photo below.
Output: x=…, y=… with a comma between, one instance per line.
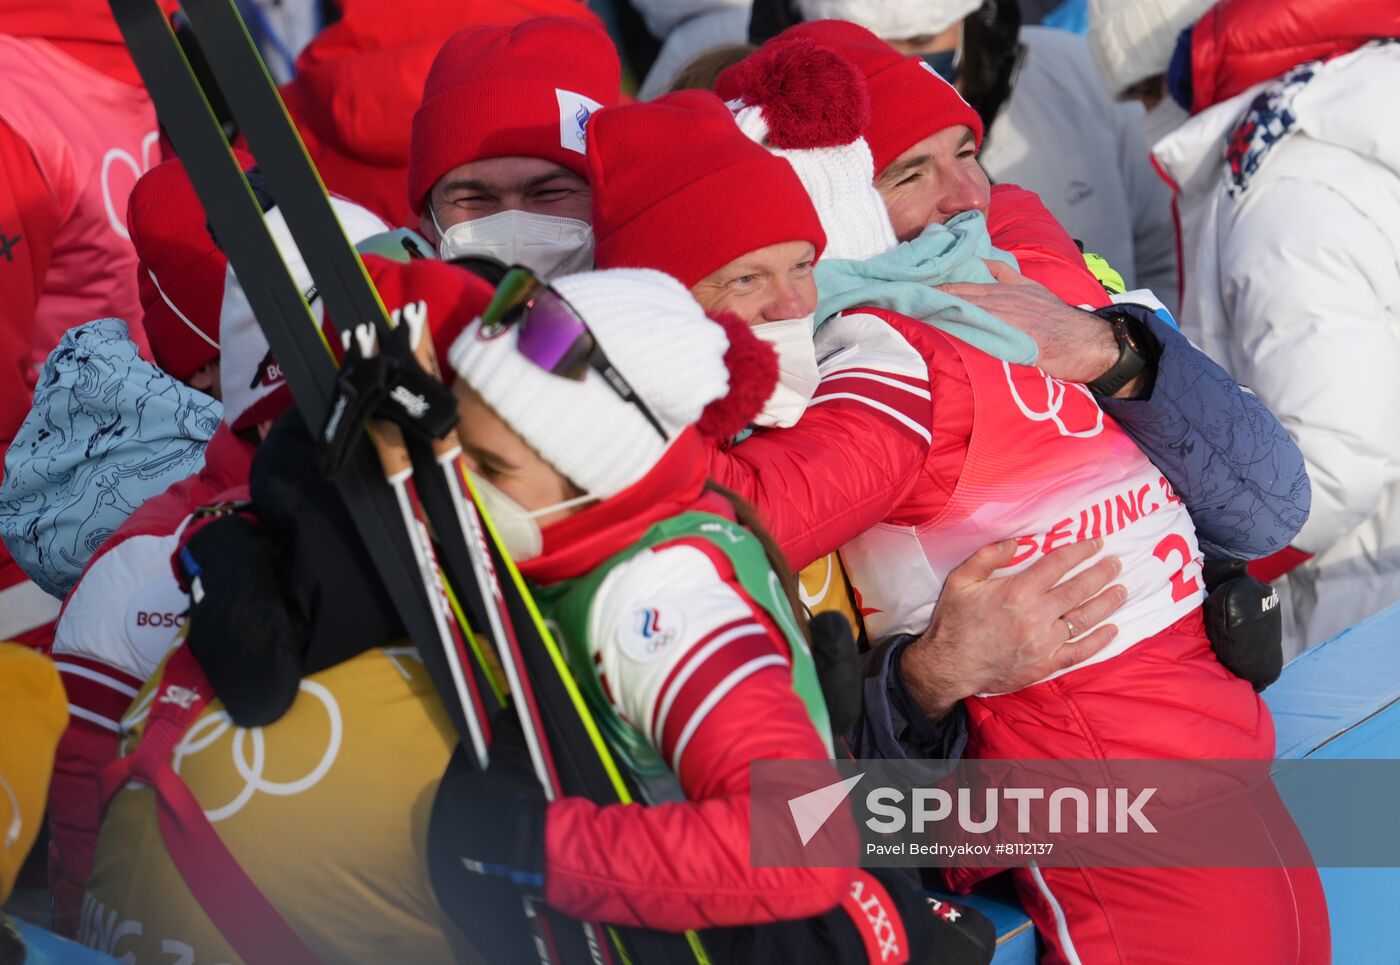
x=1157, y=123
x=518, y=527
x=546, y=244
x=797, y=370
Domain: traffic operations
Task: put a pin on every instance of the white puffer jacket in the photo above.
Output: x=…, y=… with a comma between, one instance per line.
x=1292, y=282
x=1063, y=137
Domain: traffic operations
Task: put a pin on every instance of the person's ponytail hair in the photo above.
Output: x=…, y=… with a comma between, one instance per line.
x=747, y=517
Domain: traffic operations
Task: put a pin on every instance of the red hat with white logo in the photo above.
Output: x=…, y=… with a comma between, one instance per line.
x=254, y=388
x=908, y=100
x=679, y=188
x=525, y=90
x=180, y=273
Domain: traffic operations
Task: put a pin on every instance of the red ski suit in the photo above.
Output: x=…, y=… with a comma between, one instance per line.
x=870, y=444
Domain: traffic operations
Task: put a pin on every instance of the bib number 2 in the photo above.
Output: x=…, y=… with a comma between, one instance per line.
x=1183, y=586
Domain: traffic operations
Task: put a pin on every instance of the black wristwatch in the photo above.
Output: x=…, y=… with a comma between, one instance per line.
x=1136, y=351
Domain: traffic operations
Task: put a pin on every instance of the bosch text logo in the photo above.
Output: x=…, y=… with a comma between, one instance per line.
x=149, y=618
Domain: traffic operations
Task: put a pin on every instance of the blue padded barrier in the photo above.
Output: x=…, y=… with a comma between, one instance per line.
x=1341, y=701
x=43, y=947
x=1332, y=690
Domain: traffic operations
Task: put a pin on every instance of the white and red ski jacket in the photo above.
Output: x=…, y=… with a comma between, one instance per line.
x=117, y=624
x=860, y=429
x=724, y=667
x=1012, y=453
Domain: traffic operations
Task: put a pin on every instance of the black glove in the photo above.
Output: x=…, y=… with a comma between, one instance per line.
x=245, y=628
x=960, y=935
x=938, y=931
x=1244, y=622
x=391, y=384
x=838, y=667
x=486, y=844
x=332, y=576
x=285, y=597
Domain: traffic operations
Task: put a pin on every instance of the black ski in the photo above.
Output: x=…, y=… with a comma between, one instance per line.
x=280, y=307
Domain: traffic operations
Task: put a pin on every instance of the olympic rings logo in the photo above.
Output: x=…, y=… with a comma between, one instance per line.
x=118, y=155
x=1055, y=394
x=251, y=761
x=812, y=599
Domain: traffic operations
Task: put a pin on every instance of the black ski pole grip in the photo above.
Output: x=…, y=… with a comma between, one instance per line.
x=360, y=389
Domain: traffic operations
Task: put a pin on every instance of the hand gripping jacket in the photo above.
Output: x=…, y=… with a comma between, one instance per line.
x=1072, y=474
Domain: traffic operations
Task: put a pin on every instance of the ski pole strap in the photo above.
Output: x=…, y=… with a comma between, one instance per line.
x=249, y=922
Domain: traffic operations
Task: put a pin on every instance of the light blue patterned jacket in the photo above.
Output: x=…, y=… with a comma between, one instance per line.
x=108, y=430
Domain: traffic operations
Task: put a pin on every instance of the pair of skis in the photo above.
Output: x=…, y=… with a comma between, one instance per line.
x=415, y=508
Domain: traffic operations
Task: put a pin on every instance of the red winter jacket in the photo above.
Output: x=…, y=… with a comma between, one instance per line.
x=116, y=625
x=64, y=176
x=861, y=428
x=1239, y=43
x=681, y=865
x=359, y=82
x=63, y=260
x=1019, y=222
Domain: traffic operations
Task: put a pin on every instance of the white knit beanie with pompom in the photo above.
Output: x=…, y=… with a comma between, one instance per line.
x=655, y=335
x=808, y=104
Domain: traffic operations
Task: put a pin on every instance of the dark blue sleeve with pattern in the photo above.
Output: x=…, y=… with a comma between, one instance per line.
x=1232, y=463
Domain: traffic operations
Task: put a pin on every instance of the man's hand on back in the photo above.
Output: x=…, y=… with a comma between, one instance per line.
x=994, y=635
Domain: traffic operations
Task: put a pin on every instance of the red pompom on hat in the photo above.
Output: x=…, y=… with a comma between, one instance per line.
x=808, y=104
x=526, y=90
x=908, y=100
x=679, y=188
x=753, y=375
x=810, y=95
x=180, y=273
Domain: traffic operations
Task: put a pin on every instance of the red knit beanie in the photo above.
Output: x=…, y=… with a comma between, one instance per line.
x=180, y=274
x=908, y=100
x=679, y=188
x=525, y=90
